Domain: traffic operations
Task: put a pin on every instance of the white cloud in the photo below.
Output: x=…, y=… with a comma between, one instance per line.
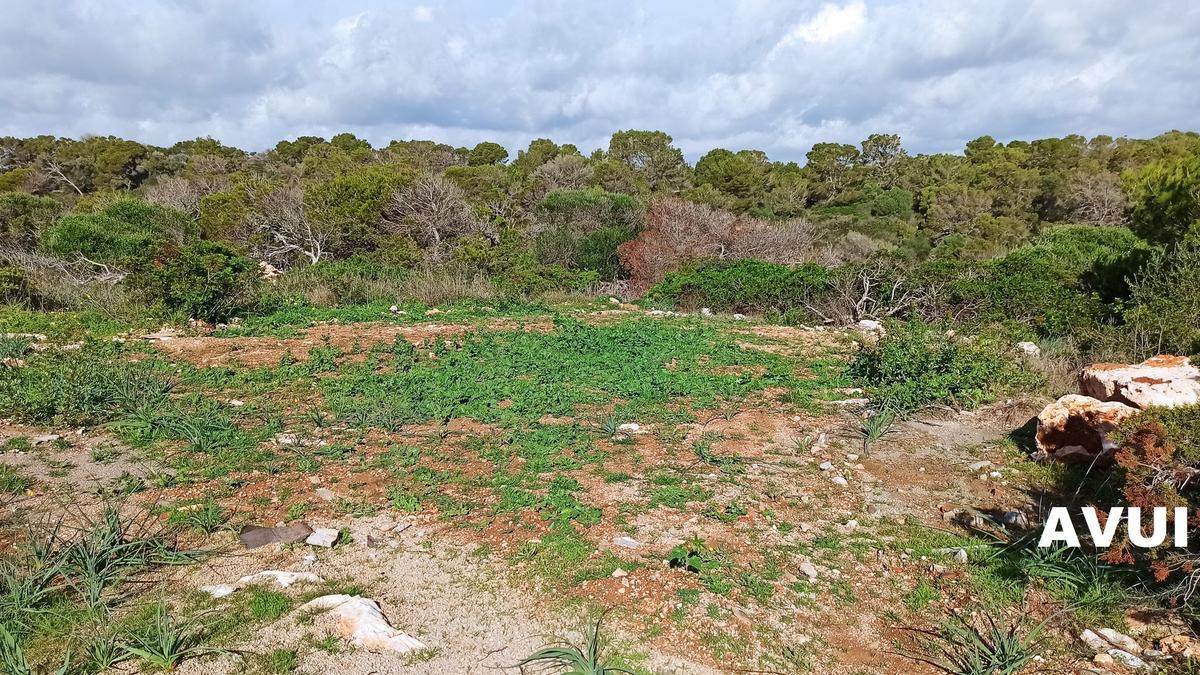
x=775, y=76
x=831, y=23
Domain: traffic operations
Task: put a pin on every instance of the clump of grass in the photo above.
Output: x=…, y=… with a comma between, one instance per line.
x=960, y=647
x=167, y=642
x=206, y=517
x=12, y=481
x=873, y=426
x=588, y=658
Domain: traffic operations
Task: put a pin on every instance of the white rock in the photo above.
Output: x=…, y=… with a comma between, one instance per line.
x=827, y=466
x=286, y=439
x=1094, y=642
x=704, y=311
x=739, y=317
x=630, y=428
x=393, y=309
x=283, y=579
x=1077, y=425
x=360, y=621
x=808, y=569
x=219, y=590
x=839, y=480
x=618, y=573
x=1128, y=660
x=1029, y=349
x=976, y=467
x=1120, y=640
x=870, y=326
x=1168, y=381
x=322, y=536
x=626, y=542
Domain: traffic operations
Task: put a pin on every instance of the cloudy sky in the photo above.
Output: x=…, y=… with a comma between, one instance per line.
x=764, y=74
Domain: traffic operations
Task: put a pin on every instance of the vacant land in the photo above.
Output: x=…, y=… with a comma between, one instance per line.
x=499, y=475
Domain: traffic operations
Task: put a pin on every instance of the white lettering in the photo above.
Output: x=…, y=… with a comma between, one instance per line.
x=1059, y=528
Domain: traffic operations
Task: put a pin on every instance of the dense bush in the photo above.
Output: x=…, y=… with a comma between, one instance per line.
x=23, y=218
x=1056, y=285
x=918, y=364
x=741, y=286
x=206, y=280
x=1164, y=313
x=126, y=233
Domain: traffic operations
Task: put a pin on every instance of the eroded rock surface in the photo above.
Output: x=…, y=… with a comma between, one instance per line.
x=1169, y=381
x=1078, y=426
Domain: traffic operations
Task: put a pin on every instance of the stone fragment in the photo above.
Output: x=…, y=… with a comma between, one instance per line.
x=1167, y=381
x=322, y=536
x=1077, y=425
x=362, y=623
x=254, y=536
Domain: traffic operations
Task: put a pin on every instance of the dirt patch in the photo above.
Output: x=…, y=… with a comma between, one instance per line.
x=207, y=351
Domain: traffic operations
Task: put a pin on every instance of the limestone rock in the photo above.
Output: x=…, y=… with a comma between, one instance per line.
x=323, y=536
x=360, y=621
x=254, y=536
x=1029, y=349
x=1169, y=381
x=1079, y=425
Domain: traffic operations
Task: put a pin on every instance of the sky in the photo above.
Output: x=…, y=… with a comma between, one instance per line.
x=765, y=74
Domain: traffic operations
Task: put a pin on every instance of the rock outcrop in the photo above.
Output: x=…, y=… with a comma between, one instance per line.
x=1168, y=381
x=360, y=621
x=1078, y=426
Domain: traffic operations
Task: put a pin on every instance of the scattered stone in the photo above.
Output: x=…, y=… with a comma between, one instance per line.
x=827, y=466
x=808, y=569
x=852, y=457
x=286, y=439
x=626, y=542
x=360, y=621
x=739, y=317
x=1183, y=645
x=433, y=312
x=254, y=536
x=219, y=590
x=163, y=334
x=322, y=536
x=1120, y=640
x=394, y=309
x=704, y=311
x=1128, y=660
x=325, y=493
x=938, y=569
x=1015, y=519
x=839, y=480
x=1029, y=349
x=613, y=301
x=1094, y=642
x=267, y=271
x=852, y=524
x=44, y=438
x=852, y=402
x=618, y=573
x=1103, y=660
x=1167, y=381
x=976, y=467
x=1155, y=655
x=870, y=326
x=630, y=428
x=282, y=579
x=236, y=402
x=1078, y=426
x=1141, y=621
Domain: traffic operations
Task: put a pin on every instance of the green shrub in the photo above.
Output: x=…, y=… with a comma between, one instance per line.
x=741, y=286
x=23, y=217
x=917, y=364
x=207, y=280
x=1056, y=285
x=14, y=286
x=1164, y=306
x=127, y=233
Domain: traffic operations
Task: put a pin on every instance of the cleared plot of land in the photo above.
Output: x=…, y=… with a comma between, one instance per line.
x=498, y=479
